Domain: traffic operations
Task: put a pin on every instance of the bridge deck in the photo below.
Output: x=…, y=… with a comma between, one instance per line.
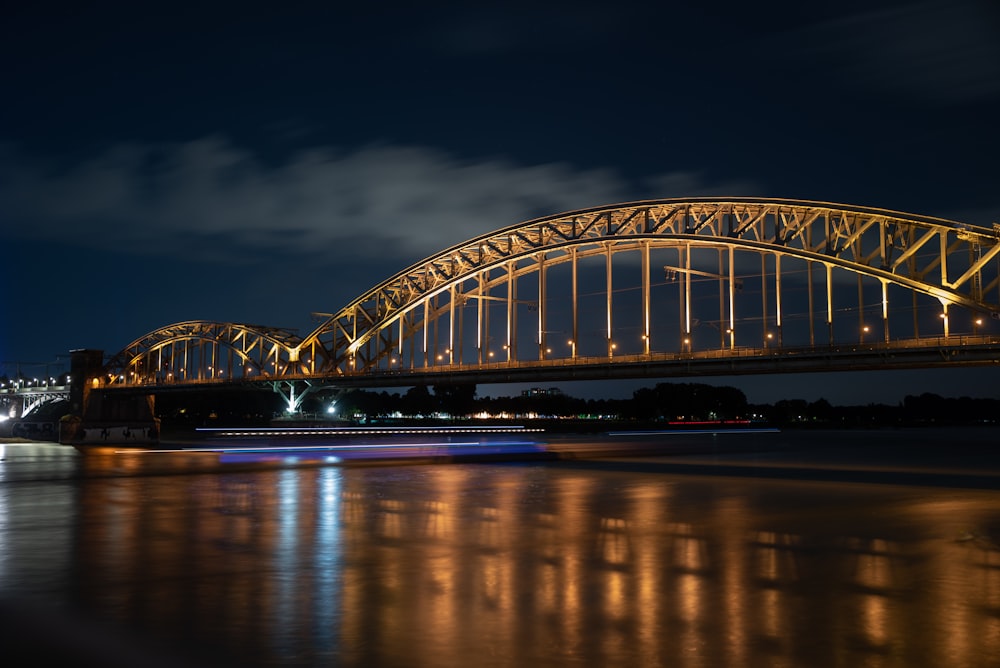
x=917, y=353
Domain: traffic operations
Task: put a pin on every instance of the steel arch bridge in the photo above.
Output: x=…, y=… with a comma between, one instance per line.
x=641, y=288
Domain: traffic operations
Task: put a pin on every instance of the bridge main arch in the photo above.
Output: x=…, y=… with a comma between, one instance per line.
x=757, y=255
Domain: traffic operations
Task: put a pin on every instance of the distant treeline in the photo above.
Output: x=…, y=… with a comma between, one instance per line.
x=667, y=402
x=925, y=408
x=663, y=403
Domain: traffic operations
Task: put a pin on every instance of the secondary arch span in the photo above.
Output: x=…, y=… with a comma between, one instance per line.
x=204, y=350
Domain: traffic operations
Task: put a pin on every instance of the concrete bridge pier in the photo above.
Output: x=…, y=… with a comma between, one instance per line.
x=98, y=417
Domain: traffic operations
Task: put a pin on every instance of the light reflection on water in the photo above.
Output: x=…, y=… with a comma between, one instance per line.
x=538, y=564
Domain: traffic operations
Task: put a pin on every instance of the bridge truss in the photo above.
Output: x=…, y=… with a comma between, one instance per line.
x=623, y=284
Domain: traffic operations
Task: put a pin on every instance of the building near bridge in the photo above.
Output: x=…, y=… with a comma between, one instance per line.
x=542, y=392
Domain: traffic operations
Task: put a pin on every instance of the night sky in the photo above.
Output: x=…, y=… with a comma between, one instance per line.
x=221, y=161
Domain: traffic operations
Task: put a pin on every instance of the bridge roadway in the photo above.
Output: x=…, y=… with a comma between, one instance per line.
x=930, y=352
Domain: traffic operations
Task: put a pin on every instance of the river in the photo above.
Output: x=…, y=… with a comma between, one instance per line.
x=798, y=548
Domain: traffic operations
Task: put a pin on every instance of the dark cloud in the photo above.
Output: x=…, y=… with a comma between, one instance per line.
x=408, y=201
x=944, y=52
x=485, y=30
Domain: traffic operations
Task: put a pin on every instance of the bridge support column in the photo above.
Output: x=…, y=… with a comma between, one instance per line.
x=687, y=298
x=765, y=334
x=541, y=308
x=451, y=325
x=944, y=318
x=829, y=302
x=511, y=312
x=885, y=311
x=809, y=292
x=777, y=299
x=645, y=298
x=576, y=312
x=732, y=299
x=608, y=277
x=426, y=316
x=479, y=318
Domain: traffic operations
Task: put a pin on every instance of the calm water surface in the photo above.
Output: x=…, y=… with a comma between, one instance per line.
x=743, y=559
